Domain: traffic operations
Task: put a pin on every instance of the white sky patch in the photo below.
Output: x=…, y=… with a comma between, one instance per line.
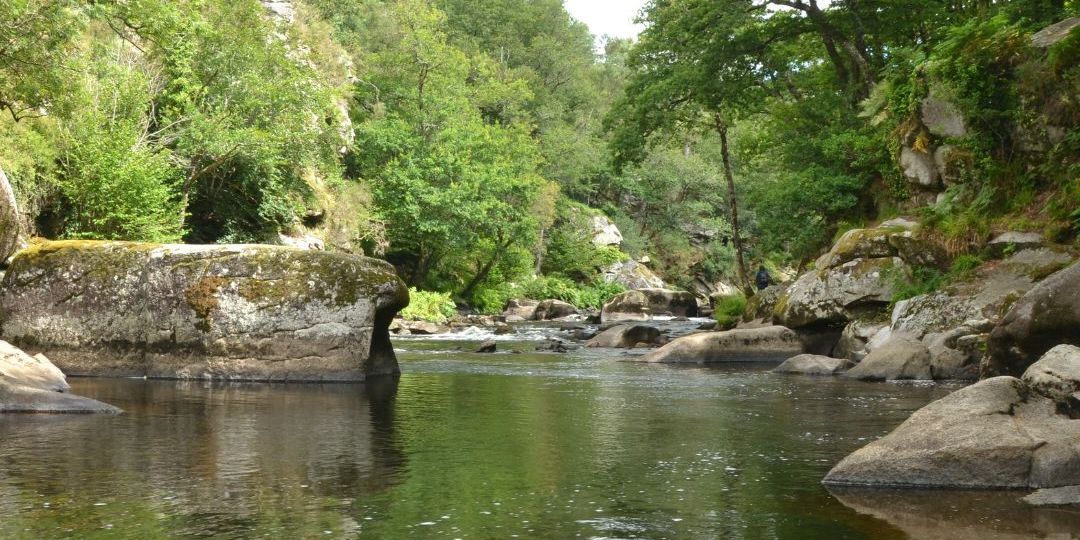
x=613, y=18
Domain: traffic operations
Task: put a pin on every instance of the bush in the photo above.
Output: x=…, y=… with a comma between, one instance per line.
x=592, y=295
x=429, y=306
x=729, y=309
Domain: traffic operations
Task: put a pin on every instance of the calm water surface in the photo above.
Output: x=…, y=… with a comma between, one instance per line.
x=484, y=447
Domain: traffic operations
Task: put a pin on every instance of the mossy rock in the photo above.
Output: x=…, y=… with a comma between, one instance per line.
x=218, y=311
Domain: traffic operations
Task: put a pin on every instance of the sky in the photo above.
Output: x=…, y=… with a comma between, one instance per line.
x=607, y=17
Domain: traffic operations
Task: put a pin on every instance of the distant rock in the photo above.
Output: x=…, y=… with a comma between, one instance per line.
x=488, y=346
x=549, y=310
x=520, y=309
x=643, y=304
x=942, y=117
x=605, y=232
x=626, y=336
x=770, y=343
x=1015, y=241
x=1054, y=33
x=814, y=364
x=900, y=358
x=919, y=167
x=632, y=275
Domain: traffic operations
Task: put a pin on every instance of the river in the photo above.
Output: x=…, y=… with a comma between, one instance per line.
x=484, y=446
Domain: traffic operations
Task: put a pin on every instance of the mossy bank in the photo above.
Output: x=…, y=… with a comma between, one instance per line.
x=235, y=312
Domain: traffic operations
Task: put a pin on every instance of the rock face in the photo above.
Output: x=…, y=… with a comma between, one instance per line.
x=942, y=118
x=770, y=343
x=218, y=312
x=549, y=310
x=919, y=167
x=632, y=275
x=605, y=233
x=1047, y=315
x=9, y=218
x=643, y=304
x=626, y=336
x=1054, y=33
x=1002, y=432
x=900, y=358
x=814, y=364
x=838, y=294
x=32, y=384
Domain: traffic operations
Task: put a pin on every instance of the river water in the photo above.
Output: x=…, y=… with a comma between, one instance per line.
x=485, y=446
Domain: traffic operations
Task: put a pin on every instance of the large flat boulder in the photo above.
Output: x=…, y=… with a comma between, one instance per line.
x=643, y=304
x=991, y=434
x=233, y=312
x=769, y=343
x=1048, y=315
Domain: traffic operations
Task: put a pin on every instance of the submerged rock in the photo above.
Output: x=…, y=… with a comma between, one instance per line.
x=240, y=312
x=626, y=336
x=1002, y=432
x=488, y=346
x=814, y=364
x=1047, y=315
x=642, y=304
x=1060, y=496
x=770, y=343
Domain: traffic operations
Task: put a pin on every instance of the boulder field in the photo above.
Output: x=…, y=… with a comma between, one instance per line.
x=231, y=312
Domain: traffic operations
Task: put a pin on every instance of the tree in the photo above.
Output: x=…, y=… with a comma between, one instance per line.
x=695, y=67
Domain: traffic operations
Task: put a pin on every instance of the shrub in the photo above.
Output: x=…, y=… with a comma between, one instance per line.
x=729, y=309
x=592, y=295
x=429, y=306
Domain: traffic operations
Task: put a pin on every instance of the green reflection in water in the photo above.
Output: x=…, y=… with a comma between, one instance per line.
x=466, y=446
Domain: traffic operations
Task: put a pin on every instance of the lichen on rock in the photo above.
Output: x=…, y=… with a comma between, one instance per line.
x=221, y=311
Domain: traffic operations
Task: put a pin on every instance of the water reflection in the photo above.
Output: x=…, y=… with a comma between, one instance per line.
x=198, y=458
x=962, y=515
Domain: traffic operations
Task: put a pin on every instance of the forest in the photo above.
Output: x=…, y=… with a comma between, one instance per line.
x=472, y=144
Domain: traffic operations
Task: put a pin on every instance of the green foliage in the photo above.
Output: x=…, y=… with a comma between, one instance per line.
x=429, y=306
x=592, y=295
x=923, y=280
x=729, y=309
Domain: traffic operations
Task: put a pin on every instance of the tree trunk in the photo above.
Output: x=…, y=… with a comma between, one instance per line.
x=486, y=269
x=9, y=218
x=736, y=238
